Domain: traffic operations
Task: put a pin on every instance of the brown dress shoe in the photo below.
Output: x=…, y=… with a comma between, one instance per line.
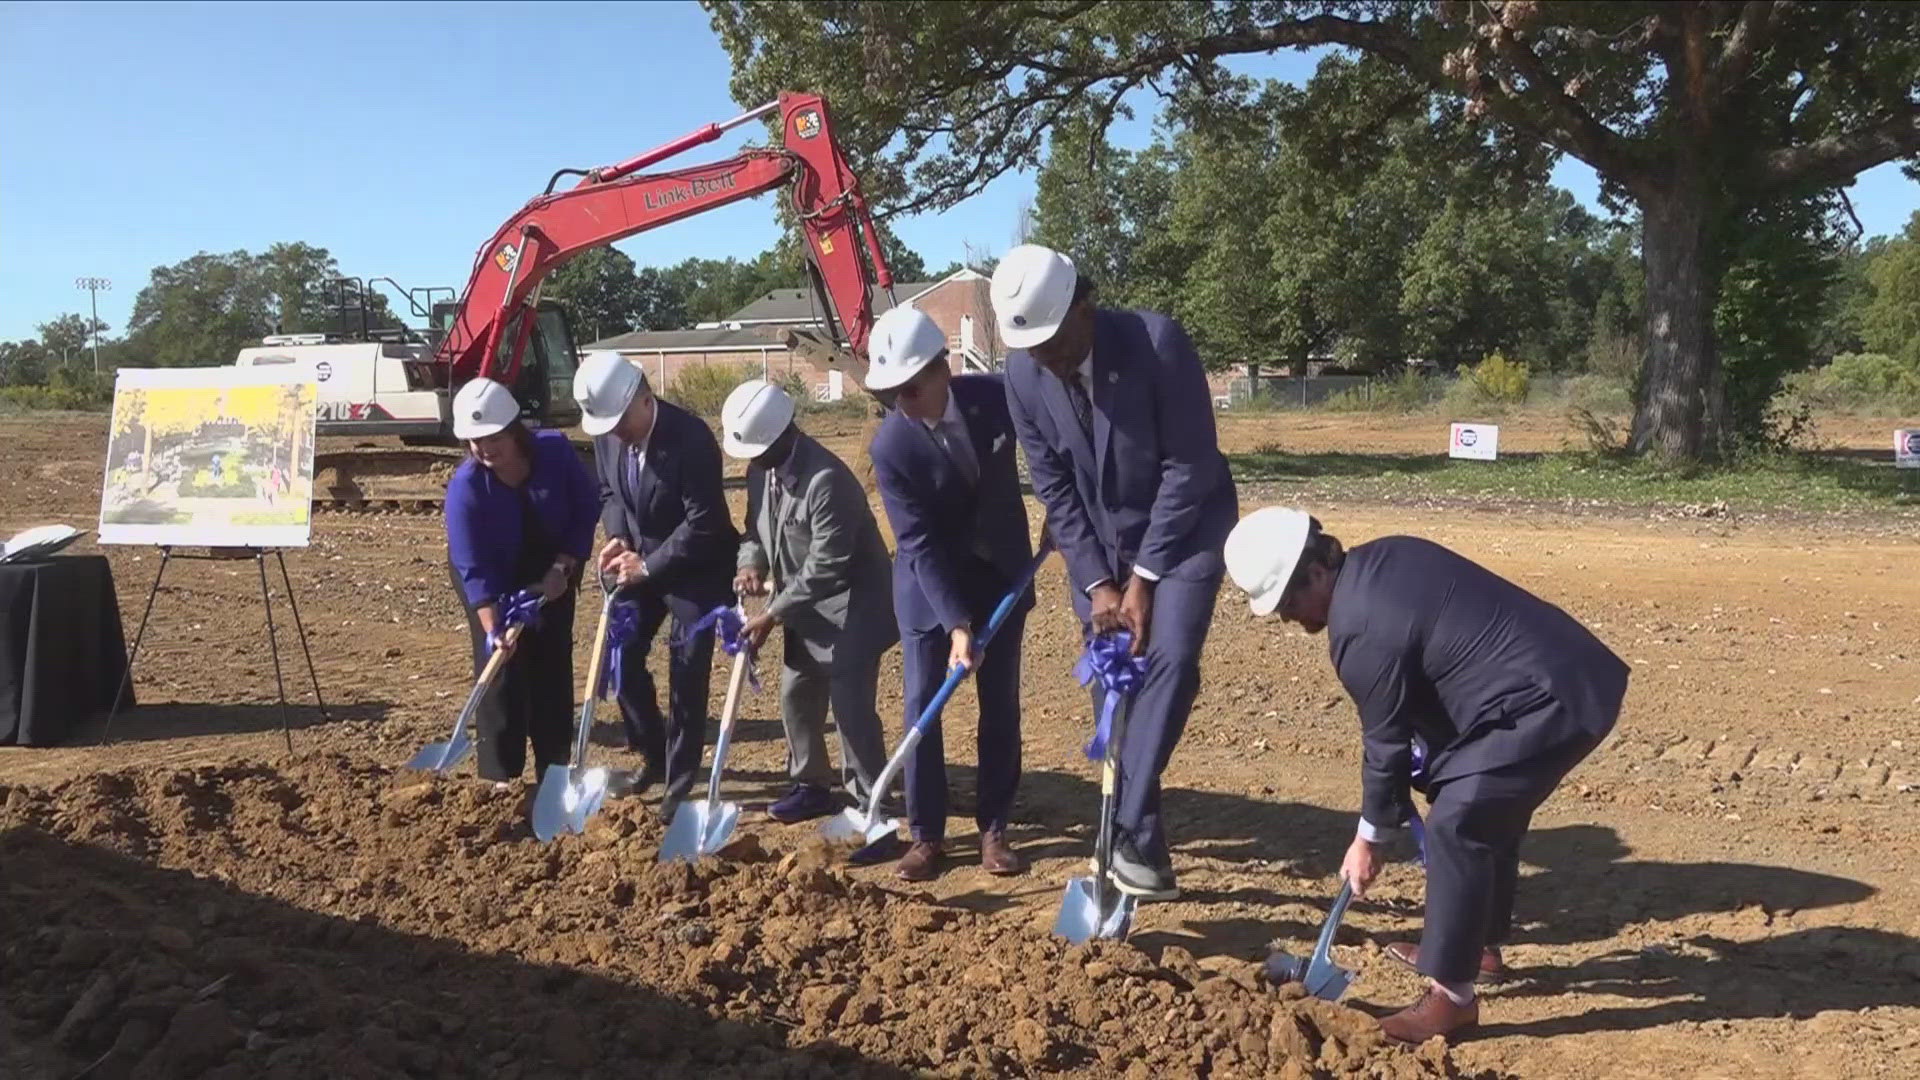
x=1434, y=1014
x=996, y=857
x=1490, y=966
x=921, y=862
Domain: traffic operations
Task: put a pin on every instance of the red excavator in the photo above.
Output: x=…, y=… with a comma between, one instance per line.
x=501, y=329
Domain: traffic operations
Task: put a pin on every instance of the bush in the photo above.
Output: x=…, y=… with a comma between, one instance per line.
x=1500, y=379
x=1402, y=392
x=1872, y=381
x=1601, y=394
x=62, y=398
x=702, y=388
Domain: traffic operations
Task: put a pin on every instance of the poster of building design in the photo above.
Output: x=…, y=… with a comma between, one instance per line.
x=221, y=457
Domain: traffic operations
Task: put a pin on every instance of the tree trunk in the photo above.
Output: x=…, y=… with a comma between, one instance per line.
x=1681, y=414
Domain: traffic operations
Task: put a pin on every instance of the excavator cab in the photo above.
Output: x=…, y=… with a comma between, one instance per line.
x=544, y=383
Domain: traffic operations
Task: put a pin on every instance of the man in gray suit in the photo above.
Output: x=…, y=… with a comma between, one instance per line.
x=812, y=542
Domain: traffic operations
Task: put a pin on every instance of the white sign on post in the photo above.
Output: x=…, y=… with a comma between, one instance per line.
x=1475, y=442
x=1906, y=448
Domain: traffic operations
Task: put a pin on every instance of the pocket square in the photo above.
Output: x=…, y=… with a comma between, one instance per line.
x=999, y=441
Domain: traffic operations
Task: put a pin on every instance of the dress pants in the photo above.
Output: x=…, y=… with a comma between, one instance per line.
x=846, y=684
x=1474, y=829
x=1182, y=612
x=997, y=682
x=673, y=742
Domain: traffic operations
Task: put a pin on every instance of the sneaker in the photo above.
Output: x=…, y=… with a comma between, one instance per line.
x=1136, y=877
x=804, y=803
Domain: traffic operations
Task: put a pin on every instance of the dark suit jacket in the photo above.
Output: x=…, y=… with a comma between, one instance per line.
x=1484, y=673
x=1153, y=488
x=676, y=517
x=957, y=542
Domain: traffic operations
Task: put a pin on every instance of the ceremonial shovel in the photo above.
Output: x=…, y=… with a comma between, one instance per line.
x=444, y=757
x=865, y=827
x=570, y=794
x=1093, y=907
x=702, y=828
x=1318, y=973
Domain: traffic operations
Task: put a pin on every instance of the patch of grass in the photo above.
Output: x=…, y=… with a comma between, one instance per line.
x=1802, y=481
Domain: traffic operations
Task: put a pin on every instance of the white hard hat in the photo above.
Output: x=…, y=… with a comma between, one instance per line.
x=1032, y=290
x=604, y=386
x=753, y=417
x=482, y=408
x=1262, y=552
x=903, y=341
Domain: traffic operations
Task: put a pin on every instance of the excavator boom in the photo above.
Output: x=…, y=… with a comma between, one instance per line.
x=487, y=337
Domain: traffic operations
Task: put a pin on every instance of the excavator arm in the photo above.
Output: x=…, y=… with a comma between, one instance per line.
x=488, y=336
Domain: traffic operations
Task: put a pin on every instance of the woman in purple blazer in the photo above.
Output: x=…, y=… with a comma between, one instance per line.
x=521, y=511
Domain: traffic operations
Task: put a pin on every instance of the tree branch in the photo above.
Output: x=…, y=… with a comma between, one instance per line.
x=1749, y=36
x=1838, y=158
x=1568, y=124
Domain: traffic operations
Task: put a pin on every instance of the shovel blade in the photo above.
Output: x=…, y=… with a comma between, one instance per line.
x=1328, y=983
x=850, y=826
x=442, y=757
x=1080, y=918
x=719, y=829
x=563, y=804
x=695, y=832
x=685, y=833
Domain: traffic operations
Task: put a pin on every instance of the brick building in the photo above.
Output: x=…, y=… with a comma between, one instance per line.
x=752, y=340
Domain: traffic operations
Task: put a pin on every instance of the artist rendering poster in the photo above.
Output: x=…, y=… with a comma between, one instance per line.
x=220, y=457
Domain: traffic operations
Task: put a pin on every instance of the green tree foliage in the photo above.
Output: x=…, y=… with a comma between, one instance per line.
x=201, y=311
x=606, y=295
x=1890, y=317
x=1339, y=218
x=1693, y=113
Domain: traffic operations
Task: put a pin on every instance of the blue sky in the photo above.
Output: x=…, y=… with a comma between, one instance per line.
x=397, y=136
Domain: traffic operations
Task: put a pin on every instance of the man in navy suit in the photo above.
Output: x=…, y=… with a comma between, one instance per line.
x=944, y=461
x=670, y=546
x=1115, y=414
x=1504, y=692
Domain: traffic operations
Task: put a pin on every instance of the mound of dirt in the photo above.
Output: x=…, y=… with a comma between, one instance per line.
x=335, y=918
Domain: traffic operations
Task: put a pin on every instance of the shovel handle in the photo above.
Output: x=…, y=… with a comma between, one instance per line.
x=1323, y=947
x=742, y=663
x=594, y=664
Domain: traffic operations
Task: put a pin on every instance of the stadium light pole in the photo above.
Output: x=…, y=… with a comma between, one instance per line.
x=93, y=285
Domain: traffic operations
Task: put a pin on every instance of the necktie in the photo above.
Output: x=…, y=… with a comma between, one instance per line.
x=953, y=439
x=1082, y=404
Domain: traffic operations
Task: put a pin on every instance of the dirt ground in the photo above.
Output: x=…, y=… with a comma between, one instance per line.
x=1725, y=889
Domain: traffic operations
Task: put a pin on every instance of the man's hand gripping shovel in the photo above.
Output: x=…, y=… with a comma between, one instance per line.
x=866, y=827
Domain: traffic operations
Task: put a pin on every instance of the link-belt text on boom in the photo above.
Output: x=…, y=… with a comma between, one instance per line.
x=675, y=196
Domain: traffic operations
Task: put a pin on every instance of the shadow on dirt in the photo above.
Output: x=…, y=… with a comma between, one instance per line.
x=120, y=969
x=181, y=719
x=1579, y=883
x=1700, y=978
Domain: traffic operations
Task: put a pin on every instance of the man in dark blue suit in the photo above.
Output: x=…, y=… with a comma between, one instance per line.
x=1114, y=411
x=1502, y=691
x=670, y=546
x=944, y=461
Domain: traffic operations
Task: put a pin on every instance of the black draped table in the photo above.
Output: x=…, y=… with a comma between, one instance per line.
x=62, y=652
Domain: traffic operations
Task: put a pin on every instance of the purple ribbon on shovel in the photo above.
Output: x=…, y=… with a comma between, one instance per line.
x=727, y=624
x=1108, y=659
x=623, y=625
x=520, y=609
x=516, y=609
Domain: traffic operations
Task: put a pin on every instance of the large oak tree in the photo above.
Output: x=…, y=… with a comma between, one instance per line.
x=1696, y=112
